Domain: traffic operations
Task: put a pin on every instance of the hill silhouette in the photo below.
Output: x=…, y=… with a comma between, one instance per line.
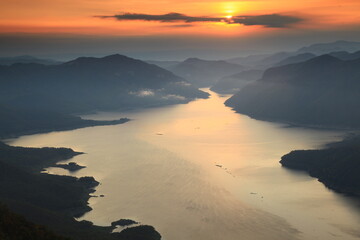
x=323, y=91
x=337, y=165
x=87, y=83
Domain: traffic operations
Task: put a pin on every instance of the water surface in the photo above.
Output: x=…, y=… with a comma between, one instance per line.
x=200, y=171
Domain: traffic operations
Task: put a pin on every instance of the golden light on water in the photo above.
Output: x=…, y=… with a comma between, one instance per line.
x=199, y=174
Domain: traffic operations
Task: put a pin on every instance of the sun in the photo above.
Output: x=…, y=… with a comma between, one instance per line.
x=229, y=17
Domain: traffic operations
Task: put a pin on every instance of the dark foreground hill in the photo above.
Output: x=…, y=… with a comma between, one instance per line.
x=50, y=200
x=323, y=91
x=16, y=227
x=337, y=165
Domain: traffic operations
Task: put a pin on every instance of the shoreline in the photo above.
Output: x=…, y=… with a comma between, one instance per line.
x=295, y=161
x=85, y=124
x=295, y=124
x=336, y=165
x=64, y=207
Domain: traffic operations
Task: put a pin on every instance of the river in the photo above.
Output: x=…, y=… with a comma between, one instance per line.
x=199, y=171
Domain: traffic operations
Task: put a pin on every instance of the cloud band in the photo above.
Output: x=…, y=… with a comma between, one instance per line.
x=270, y=20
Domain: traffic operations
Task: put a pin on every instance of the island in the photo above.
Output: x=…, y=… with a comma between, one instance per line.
x=337, y=165
x=124, y=222
x=71, y=166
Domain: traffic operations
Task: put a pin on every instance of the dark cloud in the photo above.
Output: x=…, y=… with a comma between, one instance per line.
x=271, y=20
x=179, y=26
x=169, y=17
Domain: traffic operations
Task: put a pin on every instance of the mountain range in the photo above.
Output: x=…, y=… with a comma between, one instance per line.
x=266, y=61
x=26, y=59
x=36, y=97
x=86, y=84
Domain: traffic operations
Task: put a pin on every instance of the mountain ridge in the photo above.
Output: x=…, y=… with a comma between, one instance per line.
x=313, y=93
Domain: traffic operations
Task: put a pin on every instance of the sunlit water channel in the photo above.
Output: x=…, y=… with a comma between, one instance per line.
x=199, y=171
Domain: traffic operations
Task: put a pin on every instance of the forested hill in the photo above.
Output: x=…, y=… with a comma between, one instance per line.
x=323, y=91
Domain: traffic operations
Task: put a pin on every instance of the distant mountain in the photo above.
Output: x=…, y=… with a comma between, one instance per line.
x=273, y=59
x=26, y=59
x=87, y=84
x=248, y=61
x=323, y=91
x=163, y=64
x=345, y=55
x=295, y=59
x=204, y=73
x=233, y=83
x=324, y=48
x=266, y=61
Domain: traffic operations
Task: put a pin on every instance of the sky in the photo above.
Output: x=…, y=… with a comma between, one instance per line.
x=172, y=29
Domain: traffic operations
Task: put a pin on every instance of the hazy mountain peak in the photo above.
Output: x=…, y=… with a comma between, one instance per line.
x=322, y=48
x=343, y=55
x=296, y=59
x=26, y=59
x=116, y=57
x=194, y=60
x=111, y=59
x=204, y=73
x=326, y=58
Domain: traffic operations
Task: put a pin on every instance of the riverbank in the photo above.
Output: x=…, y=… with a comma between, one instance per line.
x=171, y=180
x=52, y=200
x=14, y=123
x=337, y=165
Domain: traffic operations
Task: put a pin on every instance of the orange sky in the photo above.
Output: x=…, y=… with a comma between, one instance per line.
x=65, y=29
x=69, y=16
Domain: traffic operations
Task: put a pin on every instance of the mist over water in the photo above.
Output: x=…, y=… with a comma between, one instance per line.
x=200, y=171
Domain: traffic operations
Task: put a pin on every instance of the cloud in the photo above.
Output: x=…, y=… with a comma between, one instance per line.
x=270, y=20
x=169, y=17
x=179, y=25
